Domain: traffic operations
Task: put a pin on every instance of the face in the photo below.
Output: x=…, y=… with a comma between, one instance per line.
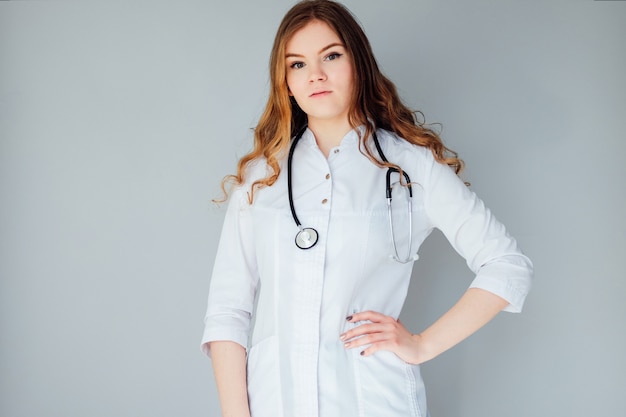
x=319, y=73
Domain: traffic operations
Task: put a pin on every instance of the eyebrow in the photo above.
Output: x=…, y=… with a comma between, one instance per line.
x=332, y=45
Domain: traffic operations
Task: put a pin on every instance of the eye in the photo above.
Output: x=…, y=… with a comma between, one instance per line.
x=296, y=65
x=333, y=56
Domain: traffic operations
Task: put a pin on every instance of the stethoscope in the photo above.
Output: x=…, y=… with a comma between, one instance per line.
x=307, y=237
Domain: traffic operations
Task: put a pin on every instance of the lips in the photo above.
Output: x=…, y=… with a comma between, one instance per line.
x=320, y=93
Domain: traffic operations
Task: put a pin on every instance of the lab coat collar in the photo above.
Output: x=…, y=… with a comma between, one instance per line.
x=350, y=139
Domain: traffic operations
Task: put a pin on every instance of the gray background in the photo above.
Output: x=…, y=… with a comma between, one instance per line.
x=118, y=119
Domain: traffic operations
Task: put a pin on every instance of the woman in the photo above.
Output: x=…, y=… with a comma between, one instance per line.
x=326, y=339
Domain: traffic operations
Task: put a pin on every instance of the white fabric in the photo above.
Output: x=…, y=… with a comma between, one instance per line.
x=297, y=366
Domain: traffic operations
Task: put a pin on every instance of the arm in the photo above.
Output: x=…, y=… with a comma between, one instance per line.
x=229, y=368
x=473, y=310
x=503, y=274
x=230, y=305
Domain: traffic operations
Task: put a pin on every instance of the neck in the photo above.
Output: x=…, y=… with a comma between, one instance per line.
x=328, y=134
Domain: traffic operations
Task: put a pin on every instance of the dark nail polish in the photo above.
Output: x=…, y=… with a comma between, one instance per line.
x=362, y=352
x=349, y=318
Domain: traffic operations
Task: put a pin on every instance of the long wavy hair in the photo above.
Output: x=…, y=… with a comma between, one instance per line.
x=375, y=104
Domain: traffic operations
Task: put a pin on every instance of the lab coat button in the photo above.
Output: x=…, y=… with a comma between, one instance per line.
x=336, y=150
x=327, y=176
x=324, y=201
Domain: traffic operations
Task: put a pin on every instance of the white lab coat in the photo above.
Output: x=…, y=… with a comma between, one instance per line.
x=297, y=366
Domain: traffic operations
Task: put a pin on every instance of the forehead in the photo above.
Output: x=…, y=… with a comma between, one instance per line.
x=311, y=38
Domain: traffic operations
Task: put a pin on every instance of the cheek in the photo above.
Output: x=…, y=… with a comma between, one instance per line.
x=348, y=87
x=296, y=86
x=292, y=82
x=288, y=82
x=347, y=77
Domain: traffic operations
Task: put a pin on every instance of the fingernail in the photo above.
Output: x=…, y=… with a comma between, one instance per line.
x=346, y=345
x=349, y=318
x=342, y=337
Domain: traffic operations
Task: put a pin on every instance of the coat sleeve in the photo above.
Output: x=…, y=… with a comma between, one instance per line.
x=490, y=252
x=235, y=277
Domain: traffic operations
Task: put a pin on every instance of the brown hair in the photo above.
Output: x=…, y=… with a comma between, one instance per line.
x=376, y=103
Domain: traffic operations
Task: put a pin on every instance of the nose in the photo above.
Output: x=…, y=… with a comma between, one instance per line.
x=316, y=73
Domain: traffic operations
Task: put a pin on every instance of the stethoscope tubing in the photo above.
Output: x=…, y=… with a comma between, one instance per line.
x=307, y=237
x=294, y=142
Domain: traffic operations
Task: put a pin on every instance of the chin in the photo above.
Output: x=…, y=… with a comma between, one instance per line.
x=326, y=115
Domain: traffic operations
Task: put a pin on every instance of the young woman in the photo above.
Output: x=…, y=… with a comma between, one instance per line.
x=314, y=261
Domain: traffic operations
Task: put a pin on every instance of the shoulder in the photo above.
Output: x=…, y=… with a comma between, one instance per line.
x=256, y=169
x=418, y=161
x=400, y=151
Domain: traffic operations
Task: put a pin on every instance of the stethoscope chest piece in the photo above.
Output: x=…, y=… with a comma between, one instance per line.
x=306, y=238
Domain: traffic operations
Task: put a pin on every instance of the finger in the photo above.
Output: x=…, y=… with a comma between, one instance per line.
x=375, y=347
x=364, y=329
x=370, y=315
x=374, y=338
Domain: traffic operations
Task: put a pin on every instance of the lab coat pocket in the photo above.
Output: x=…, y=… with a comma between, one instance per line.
x=391, y=387
x=263, y=378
